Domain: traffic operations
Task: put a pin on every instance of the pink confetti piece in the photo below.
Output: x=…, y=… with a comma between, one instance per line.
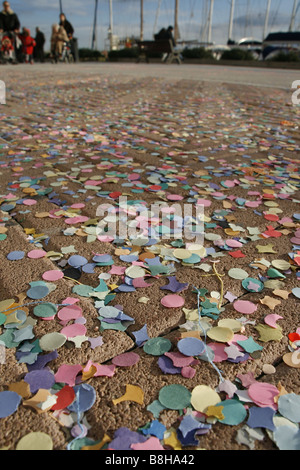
x=29, y=202
x=36, y=254
x=263, y=394
x=244, y=306
x=272, y=319
x=126, y=359
x=188, y=372
x=71, y=331
x=172, y=301
x=179, y=359
x=218, y=349
x=53, y=275
x=152, y=443
x=70, y=313
x=67, y=374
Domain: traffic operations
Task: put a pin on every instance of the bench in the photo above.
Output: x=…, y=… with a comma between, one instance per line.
x=146, y=48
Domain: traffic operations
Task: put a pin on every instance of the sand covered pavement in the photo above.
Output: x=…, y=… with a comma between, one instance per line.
x=124, y=327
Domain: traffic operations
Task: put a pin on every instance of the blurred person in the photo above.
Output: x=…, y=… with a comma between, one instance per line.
x=58, y=38
x=28, y=44
x=66, y=25
x=10, y=26
x=40, y=42
x=9, y=21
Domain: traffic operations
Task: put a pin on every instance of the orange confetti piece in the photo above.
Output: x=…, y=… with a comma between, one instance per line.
x=133, y=393
x=22, y=388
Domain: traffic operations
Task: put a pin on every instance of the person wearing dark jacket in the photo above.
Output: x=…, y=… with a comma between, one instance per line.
x=40, y=42
x=9, y=21
x=70, y=32
x=67, y=25
x=10, y=24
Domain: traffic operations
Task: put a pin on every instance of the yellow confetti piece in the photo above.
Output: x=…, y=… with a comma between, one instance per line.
x=5, y=305
x=172, y=441
x=41, y=215
x=35, y=441
x=204, y=396
x=215, y=411
x=265, y=248
x=133, y=393
x=267, y=333
x=230, y=323
x=220, y=334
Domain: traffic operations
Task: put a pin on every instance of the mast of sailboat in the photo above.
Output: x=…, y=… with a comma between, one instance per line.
x=295, y=8
x=231, y=20
x=94, y=36
x=142, y=21
x=110, y=24
x=60, y=6
x=176, y=28
x=267, y=19
x=210, y=20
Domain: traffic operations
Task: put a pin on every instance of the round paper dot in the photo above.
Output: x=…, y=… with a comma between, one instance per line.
x=220, y=334
x=244, y=306
x=252, y=285
x=181, y=253
x=237, y=273
x=263, y=394
x=35, y=441
x=45, y=310
x=233, y=411
x=157, y=346
x=191, y=346
x=77, y=261
x=29, y=202
x=296, y=292
x=135, y=272
x=37, y=292
x=172, y=301
x=281, y=264
x=53, y=275
x=36, y=254
x=126, y=359
x=52, y=341
x=85, y=398
x=9, y=403
x=174, y=397
x=15, y=255
x=204, y=396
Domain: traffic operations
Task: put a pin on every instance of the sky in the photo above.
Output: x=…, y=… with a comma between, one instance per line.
x=249, y=18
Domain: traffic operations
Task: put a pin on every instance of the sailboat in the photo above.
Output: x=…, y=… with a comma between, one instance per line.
x=283, y=41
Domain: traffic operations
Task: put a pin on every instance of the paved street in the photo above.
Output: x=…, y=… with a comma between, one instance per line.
x=149, y=339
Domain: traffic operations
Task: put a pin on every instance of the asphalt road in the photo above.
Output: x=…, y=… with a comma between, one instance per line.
x=271, y=78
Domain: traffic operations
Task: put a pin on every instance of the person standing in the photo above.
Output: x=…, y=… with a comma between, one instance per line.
x=9, y=21
x=40, y=42
x=10, y=24
x=28, y=43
